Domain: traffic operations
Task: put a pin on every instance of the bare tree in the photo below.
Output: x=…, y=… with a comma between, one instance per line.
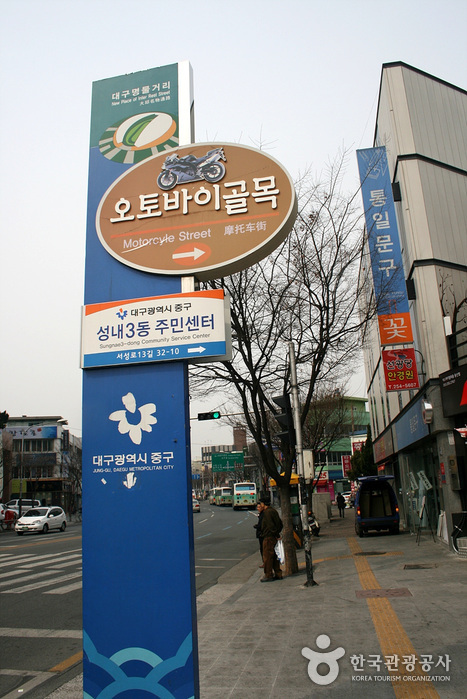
x=326, y=423
x=305, y=293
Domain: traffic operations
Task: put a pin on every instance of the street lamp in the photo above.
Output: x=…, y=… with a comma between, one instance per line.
x=310, y=581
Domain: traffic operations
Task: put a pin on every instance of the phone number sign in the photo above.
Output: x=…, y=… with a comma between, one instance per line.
x=400, y=369
x=159, y=328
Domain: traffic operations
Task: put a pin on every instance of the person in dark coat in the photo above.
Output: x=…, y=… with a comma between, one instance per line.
x=259, y=535
x=341, y=504
x=271, y=527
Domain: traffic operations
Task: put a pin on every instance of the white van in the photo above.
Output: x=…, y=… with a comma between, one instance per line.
x=26, y=504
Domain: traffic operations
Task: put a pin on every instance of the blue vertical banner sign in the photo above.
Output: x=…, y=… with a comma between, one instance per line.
x=394, y=321
x=139, y=606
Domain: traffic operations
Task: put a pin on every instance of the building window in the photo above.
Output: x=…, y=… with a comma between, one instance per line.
x=33, y=445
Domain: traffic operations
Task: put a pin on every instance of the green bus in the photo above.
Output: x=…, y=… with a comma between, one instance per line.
x=223, y=497
x=244, y=495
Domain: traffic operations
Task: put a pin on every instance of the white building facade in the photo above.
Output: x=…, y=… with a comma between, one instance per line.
x=39, y=462
x=418, y=434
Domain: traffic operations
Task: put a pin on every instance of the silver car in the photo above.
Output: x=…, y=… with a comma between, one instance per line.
x=41, y=520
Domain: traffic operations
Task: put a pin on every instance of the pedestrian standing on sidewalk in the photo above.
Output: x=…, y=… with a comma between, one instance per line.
x=341, y=504
x=259, y=535
x=271, y=527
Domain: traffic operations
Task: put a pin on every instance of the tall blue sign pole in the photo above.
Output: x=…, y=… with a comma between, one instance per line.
x=139, y=612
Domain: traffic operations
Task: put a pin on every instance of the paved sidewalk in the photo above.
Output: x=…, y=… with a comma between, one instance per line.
x=377, y=597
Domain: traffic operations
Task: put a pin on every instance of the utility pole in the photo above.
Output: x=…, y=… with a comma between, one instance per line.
x=310, y=582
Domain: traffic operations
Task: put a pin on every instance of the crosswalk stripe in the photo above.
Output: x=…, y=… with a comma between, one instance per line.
x=21, y=560
x=57, y=561
x=44, y=583
x=59, y=566
x=65, y=589
x=19, y=556
x=25, y=578
x=12, y=573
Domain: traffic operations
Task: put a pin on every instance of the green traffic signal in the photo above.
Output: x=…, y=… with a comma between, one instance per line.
x=215, y=415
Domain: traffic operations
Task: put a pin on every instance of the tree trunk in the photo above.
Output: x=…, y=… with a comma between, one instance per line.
x=291, y=563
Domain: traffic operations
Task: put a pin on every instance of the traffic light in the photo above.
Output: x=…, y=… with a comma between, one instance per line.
x=209, y=416
x=285, y=419
x=3, y=419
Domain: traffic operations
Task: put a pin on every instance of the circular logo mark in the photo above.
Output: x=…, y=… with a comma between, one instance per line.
x=138, y=137
x=328, y=659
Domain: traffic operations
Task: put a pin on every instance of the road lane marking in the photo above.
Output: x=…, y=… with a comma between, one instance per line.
x=25, y=578
x=41, y=633
x=12, y=573
x=48, y=540
x=60, y=566
x=65, y=589
x=37, y=679
x=72, y=660
x=220, y=559
x=55, y=560
x=45, y=583
x=392, y=637
x=302, y=565
x=26, y=557
x=50, y=569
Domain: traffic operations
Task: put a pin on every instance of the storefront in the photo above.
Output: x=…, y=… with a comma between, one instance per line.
x=453, y=464
x=425, y=450
x=407, y=450
x=417, y=481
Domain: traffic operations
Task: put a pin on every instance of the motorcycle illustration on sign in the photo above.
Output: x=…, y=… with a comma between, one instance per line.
x=189, y=168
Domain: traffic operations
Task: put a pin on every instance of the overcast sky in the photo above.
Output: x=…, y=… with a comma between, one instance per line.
x=300, y=77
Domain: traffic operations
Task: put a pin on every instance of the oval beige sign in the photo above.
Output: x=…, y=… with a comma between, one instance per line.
x=206, y=209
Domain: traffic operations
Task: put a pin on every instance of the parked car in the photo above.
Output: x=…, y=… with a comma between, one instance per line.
x=196, y=507
x=376, y=505
x=41, y=520
x=26, y=504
